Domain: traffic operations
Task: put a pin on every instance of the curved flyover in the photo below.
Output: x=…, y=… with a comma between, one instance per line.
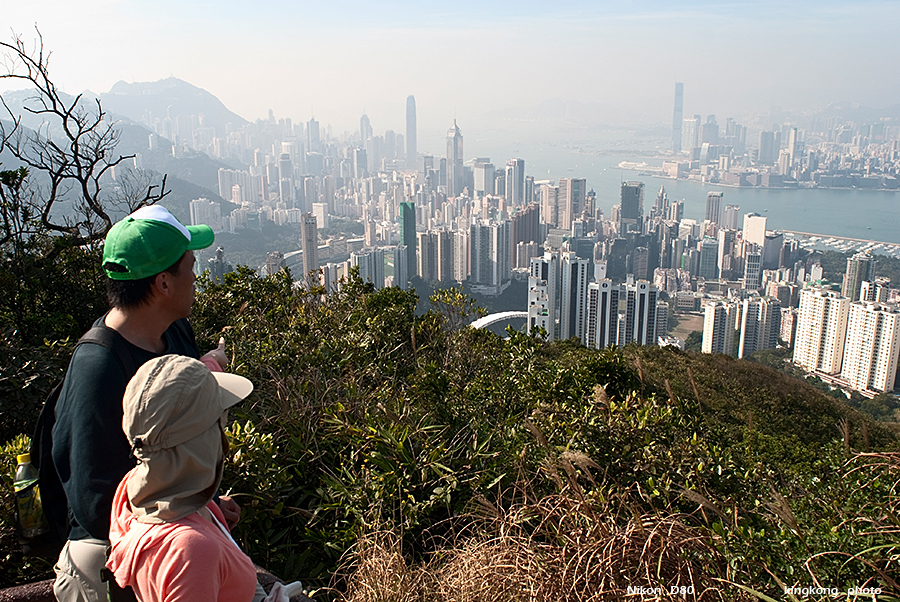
x=498, y=317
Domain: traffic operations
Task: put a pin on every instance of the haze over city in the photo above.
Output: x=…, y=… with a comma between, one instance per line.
x=501, y=67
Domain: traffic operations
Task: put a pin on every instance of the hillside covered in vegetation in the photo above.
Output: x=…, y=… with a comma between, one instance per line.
x=417, y=456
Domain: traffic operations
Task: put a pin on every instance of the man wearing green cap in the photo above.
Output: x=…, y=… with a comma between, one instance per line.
x=149, y=260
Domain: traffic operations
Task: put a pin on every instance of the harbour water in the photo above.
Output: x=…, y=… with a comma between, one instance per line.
x=838, y=213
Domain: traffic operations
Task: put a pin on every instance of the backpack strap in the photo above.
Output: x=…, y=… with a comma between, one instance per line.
x=53, y=496
x=107, y=337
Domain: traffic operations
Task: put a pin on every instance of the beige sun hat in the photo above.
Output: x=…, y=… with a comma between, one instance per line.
x=173, y=411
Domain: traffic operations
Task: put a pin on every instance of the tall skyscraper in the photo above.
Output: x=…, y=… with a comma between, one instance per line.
x=793, y=149
x=714, y=207
x=309, y=241
x=640, y=314
x=427, y=255
x=408, y=234
x=677, y=117
x=602, y=314
x=760, y=325
x=515, y=181
x=718, y=327
x=821, y=330
x=444, y=255
x=872, y=347
x=461, y=256
x=525, y=227
x=571, y=200
x=543, y=290
x=661, y=206
x=767, y=149
x=755, y=229
x=312, y=135
x=631, y=212
x=490, y=255
x=709, y=258
x=204, y=211
x=550, y=204
x=690, y=134
x=860, y=268
x=574, y=276
x=411, y=150
x=484, y=177
x=730, y=219
x=401, y=267
x=365, y=129
x=371, y=265
x=753, y=270
x=455, y=173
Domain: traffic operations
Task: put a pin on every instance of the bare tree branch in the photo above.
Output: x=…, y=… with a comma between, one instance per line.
x=70, y=156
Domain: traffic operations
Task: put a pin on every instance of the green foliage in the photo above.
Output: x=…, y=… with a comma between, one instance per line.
x=366, y=416
x=883, y=406
x=694, y=341
x=834, y=265
x=27, y=375
x=346, y=227
x=52, y=292
x=387, y=419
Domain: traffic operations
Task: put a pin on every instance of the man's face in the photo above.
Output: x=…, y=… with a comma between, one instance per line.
x=183, y=285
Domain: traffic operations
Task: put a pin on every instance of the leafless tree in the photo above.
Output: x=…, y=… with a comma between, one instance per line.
x=66, y=156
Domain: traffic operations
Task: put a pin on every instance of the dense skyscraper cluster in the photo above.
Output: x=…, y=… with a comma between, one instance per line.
x=602, y=279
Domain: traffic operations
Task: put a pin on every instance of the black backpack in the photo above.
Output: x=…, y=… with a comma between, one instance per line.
x=53, y=497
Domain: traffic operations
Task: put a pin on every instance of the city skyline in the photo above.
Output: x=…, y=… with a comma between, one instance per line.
x=339, y=61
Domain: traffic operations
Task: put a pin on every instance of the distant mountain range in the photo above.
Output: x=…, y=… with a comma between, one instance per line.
x=192, y=175
x=169, y=98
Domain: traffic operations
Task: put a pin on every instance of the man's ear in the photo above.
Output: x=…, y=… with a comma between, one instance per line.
x=161, y=284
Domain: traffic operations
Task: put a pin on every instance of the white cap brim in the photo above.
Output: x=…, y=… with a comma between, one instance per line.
x=234, y=388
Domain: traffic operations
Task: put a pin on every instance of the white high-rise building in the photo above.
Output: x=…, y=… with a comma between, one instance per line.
x=444, y=256
x=371, y=265
x=574, y=281
x=461, y=255
x=490, y=263
x=309, y=240
x=543, y=291
x=872, y=346
x=760, y=325
x=571, y=200
x=602, y=314
x=540, y=311
x=718, y=327
x=730, y=217
x=484, y=178
x=755, y=229
x=550, y=204
x=331, y=277
x=860, y=268
x=753, y=270
x=640, y=314
x=204, y=211
x=821, y=330
x=515, y=182
x=455, y=175
x=401, y=267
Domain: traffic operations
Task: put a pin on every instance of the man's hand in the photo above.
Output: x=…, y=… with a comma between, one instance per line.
x=231, y=510
x=218, y=354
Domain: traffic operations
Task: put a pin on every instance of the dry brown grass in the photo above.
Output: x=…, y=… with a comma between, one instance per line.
x=557, y=548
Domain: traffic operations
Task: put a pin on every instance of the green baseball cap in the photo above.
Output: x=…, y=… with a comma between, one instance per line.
x=149, y=241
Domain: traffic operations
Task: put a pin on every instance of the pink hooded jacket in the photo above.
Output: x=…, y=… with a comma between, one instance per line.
x=188, y=560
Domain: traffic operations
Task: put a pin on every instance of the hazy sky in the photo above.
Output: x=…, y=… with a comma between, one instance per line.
x=337, y=58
